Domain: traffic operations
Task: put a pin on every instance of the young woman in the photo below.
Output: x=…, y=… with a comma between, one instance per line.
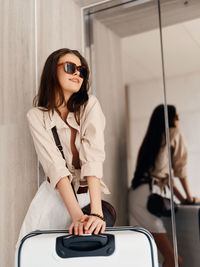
x=152, y=167
x=63, y=102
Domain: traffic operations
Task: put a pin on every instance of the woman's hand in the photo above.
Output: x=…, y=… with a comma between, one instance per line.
x=94, y=225
x=87, y=225
x=196, y=200
x=193, y=200
x=77, y=225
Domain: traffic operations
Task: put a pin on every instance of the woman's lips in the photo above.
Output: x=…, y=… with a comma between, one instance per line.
x=74, y=80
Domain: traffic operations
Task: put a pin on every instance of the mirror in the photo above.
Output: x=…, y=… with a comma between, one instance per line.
x=123, y=45
x=181, y=45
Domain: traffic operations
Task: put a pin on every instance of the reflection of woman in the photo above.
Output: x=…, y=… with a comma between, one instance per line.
x=63, y=101
x=152, y=167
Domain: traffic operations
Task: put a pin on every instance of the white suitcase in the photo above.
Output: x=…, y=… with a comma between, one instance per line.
x=128, y=246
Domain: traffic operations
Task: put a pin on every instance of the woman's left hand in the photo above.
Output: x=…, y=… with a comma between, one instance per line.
x=192, y=201
x=196, y=200
x=94, y=225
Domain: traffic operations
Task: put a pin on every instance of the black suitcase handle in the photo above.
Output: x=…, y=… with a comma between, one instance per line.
x=71, y=246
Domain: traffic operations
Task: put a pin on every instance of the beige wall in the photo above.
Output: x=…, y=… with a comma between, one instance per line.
x=17, y=84
x=109, y=89
x=58, y=26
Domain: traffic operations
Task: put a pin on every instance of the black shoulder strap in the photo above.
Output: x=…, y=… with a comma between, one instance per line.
x=57, y=140
x=58, y=144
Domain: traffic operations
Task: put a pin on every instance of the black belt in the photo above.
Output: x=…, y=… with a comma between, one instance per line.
x=82, y=190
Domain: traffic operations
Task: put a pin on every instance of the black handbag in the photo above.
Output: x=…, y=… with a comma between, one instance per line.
x=160, y=206
x=109, y=212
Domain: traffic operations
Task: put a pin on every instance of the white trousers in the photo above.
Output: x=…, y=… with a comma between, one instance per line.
x=138, y=213
x=47, y=211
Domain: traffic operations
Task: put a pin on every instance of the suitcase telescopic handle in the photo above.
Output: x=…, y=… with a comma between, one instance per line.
x=85, y=246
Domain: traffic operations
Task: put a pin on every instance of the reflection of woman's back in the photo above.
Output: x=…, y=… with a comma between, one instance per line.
x=152, y=167
x=178, y=155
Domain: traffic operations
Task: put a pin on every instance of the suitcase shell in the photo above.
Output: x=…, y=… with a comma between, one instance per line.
x=131, y=246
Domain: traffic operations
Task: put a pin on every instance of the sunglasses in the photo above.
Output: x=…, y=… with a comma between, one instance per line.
x=71, y=68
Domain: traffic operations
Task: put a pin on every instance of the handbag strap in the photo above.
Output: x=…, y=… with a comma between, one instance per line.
x=151, y=183
x=57, y=141
x=59, y=146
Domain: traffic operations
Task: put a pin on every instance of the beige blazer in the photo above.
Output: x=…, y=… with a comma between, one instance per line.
x=178, y=156
x=89, y=142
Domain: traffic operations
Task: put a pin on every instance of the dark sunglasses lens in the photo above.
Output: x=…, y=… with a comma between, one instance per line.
x=83, y=72
x=70, y=68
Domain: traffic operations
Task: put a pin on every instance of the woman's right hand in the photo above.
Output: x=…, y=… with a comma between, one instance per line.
x=95, y=225
x=77, y=225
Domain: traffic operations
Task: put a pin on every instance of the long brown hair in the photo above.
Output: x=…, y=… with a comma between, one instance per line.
x=152, y=142
x=50, y=87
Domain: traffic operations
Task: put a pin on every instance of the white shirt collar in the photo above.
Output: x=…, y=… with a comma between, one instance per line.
x=53, y=119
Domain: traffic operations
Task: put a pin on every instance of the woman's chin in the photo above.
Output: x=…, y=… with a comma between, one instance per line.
x=72, y=90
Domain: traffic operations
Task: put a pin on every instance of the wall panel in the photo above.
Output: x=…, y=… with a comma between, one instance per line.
x=17, y=84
